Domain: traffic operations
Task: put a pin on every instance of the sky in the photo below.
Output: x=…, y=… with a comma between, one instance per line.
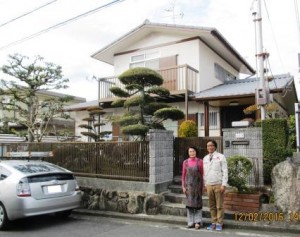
x=70, y=44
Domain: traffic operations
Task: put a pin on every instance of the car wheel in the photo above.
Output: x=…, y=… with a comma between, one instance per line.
x=4, y=222
x=63, y=214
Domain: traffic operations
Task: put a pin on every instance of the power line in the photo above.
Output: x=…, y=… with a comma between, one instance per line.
x=60, y=24
x=27, y=13
x=297, y=18
x=273, y=34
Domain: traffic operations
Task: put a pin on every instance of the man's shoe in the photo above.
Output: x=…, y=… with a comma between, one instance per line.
x=211, y=227
x=219, y=227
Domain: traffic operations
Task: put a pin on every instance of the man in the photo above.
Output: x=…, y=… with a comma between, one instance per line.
x=215, y=181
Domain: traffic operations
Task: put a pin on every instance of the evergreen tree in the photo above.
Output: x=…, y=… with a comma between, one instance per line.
x=141, y=85
x=94, y=123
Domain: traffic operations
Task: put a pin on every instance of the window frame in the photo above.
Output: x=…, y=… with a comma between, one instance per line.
x=222, y=74
x=213, y=120
x=146, y=57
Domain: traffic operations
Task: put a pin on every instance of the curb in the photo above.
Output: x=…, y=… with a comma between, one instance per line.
x=181, y=220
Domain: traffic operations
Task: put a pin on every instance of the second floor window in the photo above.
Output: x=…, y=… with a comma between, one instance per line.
x=149, y=60
x=223, y=74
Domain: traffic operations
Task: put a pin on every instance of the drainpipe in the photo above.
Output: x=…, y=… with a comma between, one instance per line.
x=206, y=119
x=186, y=94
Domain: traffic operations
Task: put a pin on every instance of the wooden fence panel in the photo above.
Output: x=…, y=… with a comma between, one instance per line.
x=182, y=143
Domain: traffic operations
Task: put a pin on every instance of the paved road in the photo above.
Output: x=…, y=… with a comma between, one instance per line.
x=92, y=226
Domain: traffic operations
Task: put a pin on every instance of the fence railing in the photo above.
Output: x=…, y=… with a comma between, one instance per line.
x=175, y=79
x=115, y=160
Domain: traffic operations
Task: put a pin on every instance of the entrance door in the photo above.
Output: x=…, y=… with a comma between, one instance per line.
x=233, y=113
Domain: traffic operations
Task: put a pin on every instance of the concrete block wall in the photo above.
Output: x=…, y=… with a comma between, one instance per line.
x=161, y=157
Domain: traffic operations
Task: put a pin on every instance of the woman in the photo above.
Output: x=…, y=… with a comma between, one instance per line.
x=192, y=185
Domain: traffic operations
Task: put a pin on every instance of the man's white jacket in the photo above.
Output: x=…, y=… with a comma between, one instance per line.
x=215, y=170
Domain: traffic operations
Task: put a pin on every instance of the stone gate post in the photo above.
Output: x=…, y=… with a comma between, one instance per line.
x=161, y=159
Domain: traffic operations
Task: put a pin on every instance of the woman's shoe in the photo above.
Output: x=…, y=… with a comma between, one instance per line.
x=197, y=226
x=190, y=226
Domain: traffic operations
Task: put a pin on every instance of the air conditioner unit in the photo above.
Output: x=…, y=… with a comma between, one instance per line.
x=235, y=124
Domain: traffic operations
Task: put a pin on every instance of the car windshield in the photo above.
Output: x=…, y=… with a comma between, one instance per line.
x=36, y=168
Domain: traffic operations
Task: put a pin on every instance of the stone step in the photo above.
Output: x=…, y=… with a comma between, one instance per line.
x=175, y=197
x=179, y=209
x=175, y=188
x=177, y=180
x=180, y=198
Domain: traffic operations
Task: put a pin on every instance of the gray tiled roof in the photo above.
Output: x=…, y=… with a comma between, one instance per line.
x=81, y=106
x=243, y=87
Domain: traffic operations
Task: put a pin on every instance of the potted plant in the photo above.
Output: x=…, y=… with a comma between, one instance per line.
x=242, y=199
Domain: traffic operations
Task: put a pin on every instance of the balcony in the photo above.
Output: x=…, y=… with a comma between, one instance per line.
x=179, y=80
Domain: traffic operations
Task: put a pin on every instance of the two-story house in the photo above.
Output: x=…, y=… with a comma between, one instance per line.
x=200, y=68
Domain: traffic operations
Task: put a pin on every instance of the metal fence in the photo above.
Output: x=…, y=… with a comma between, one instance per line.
x=115, y=160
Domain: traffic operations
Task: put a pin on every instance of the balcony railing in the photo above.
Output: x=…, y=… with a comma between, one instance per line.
x=179, y=78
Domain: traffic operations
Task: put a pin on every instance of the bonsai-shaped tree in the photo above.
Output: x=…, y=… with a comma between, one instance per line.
x=239, y=168
x=143, y=111
x=188, y=128
x=94, y=123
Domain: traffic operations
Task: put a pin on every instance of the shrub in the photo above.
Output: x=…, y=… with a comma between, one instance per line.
x=239, y=168
x=275, y=141
x=188, y=128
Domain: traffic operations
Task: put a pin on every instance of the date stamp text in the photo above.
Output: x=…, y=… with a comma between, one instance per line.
x=267, y=216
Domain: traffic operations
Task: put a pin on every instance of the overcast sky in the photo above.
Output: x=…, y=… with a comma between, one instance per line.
x=72, y=44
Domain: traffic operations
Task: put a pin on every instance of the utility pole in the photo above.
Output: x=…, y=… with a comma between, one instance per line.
x=262, y=93
x=297, y=105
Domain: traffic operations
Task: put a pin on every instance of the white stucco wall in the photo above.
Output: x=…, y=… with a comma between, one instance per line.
x=192, y=52
x=187, y=51
x=207, y=59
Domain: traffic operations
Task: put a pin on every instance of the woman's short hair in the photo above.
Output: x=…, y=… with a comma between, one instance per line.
x=192, y=147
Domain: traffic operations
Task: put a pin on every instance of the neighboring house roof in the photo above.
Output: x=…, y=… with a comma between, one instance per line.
x=209, y=36
x=57, y=94
x=81, y=106
x=244, y=87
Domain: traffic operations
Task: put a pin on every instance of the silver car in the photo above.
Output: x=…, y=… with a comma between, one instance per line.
x=30, y=188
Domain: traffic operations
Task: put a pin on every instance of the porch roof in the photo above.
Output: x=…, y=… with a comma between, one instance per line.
x=242, y=91
x=245, y=87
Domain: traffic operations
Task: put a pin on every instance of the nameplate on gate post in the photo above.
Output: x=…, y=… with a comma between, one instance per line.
x=240, y=142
